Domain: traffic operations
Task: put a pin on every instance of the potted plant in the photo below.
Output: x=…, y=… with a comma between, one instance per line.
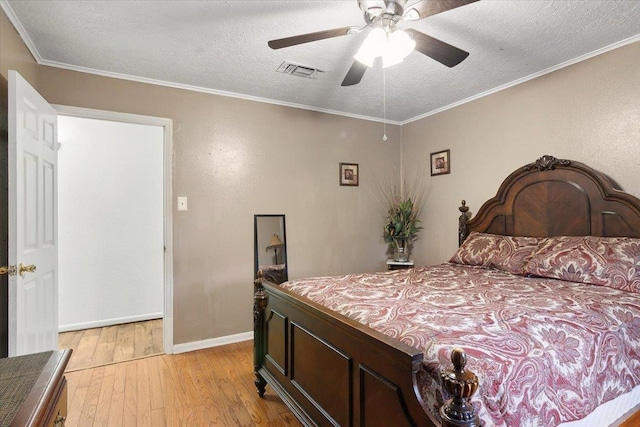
x=401, y=227
x=401, y=205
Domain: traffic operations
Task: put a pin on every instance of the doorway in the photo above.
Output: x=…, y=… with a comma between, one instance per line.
x=114, y=222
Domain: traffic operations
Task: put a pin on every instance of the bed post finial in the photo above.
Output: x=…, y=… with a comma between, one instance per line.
x=461, y=384
x=260, y=301
x=463, y=231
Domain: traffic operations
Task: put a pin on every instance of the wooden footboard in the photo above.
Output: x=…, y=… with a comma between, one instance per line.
x=331, y=370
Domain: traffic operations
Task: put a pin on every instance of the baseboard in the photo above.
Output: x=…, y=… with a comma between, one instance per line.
x=108, y=322
x=213, y=342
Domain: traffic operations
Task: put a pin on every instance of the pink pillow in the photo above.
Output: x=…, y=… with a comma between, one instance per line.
x=477, y=249
x=606, y=261
x=514, y=252
x=507, y=253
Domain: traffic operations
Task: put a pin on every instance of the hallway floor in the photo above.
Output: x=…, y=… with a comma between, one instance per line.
x=112, y=344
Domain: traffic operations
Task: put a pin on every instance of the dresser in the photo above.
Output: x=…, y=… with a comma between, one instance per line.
x=33, y=389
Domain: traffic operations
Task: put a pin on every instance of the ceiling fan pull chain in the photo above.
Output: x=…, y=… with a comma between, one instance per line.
x=384, y=105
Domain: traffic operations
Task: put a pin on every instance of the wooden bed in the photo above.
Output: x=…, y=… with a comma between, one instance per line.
x=331, y=370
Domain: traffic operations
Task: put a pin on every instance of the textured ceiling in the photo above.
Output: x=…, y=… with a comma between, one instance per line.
x=221, y=47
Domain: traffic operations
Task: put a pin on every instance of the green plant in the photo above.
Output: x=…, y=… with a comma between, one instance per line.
x=401, y=221
x=401, y=205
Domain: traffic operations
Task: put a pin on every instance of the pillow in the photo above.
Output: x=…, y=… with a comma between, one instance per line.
x=477, y=249
x=506, y=253
x=606, y=261
x=514, y=252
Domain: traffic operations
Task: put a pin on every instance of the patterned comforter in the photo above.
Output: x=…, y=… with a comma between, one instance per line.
x=546, y=351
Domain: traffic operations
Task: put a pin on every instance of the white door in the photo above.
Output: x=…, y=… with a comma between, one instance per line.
x=33, y=245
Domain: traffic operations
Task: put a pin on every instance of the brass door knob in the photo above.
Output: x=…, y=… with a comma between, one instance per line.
x=26, y=268
x=10, y=270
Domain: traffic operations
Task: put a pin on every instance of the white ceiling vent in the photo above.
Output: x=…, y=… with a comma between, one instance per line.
x=299, y=70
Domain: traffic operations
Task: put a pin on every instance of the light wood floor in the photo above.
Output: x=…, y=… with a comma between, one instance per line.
x=212, y=387
x=111, y=344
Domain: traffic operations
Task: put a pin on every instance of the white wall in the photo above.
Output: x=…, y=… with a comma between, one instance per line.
x=110, y=222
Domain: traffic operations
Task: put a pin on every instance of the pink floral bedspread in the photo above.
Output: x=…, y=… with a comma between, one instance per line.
x=545, y=351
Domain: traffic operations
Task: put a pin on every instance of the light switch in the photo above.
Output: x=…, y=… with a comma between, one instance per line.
x=182, y=203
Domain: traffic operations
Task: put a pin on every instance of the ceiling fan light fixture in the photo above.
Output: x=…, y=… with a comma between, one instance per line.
x=372, y=47
x=400, y=43
x=393, y=47
x=398, y=46
x=364, y=59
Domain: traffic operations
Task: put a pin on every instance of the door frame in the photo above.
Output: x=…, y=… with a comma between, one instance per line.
x=167, y=124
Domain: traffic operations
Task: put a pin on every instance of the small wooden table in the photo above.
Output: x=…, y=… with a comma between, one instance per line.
x=399, y=265
x=33, y=389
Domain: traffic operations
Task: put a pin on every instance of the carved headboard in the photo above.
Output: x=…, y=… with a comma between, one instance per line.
x=553, y=197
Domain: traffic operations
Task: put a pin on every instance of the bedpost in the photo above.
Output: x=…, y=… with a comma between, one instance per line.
x=463, y=231
x=260, y=301
x=461, y=384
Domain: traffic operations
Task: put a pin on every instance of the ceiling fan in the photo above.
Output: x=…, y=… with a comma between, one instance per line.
x=385, y=39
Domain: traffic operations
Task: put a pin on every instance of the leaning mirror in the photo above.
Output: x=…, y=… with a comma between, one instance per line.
x=270, y=247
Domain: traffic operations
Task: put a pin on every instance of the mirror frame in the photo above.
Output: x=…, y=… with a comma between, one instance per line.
x=256, y=264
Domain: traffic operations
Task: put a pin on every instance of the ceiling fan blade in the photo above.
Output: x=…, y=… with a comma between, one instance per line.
x=442, y=52
x=427, y=7
x=355, y=73
x=310, y=37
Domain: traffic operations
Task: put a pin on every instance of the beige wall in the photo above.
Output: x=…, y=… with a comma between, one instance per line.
x=235, y=158
x=589, y=112
x=14, y=54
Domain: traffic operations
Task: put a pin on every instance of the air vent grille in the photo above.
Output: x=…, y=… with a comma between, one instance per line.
x=299, y=70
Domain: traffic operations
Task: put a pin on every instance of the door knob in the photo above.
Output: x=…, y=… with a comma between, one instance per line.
x=26, y=268
x=10, y=270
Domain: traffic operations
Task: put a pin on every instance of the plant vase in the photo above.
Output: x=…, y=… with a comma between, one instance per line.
x=401, y=250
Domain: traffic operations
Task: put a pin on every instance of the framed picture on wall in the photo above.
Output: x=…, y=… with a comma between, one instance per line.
x=349, y=174
x=440, y=163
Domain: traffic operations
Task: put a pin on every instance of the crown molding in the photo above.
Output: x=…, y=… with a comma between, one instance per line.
x=21, y=31
x=41, y=61
x=565, y=64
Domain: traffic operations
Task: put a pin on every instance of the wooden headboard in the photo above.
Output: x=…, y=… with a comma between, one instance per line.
x=554, y=197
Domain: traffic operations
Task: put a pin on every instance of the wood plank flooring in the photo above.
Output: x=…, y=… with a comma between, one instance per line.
x=212, y=387
x=112, y=344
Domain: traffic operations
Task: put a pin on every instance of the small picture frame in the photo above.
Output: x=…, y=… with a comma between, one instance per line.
x=440, y=163
x=349, y=174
